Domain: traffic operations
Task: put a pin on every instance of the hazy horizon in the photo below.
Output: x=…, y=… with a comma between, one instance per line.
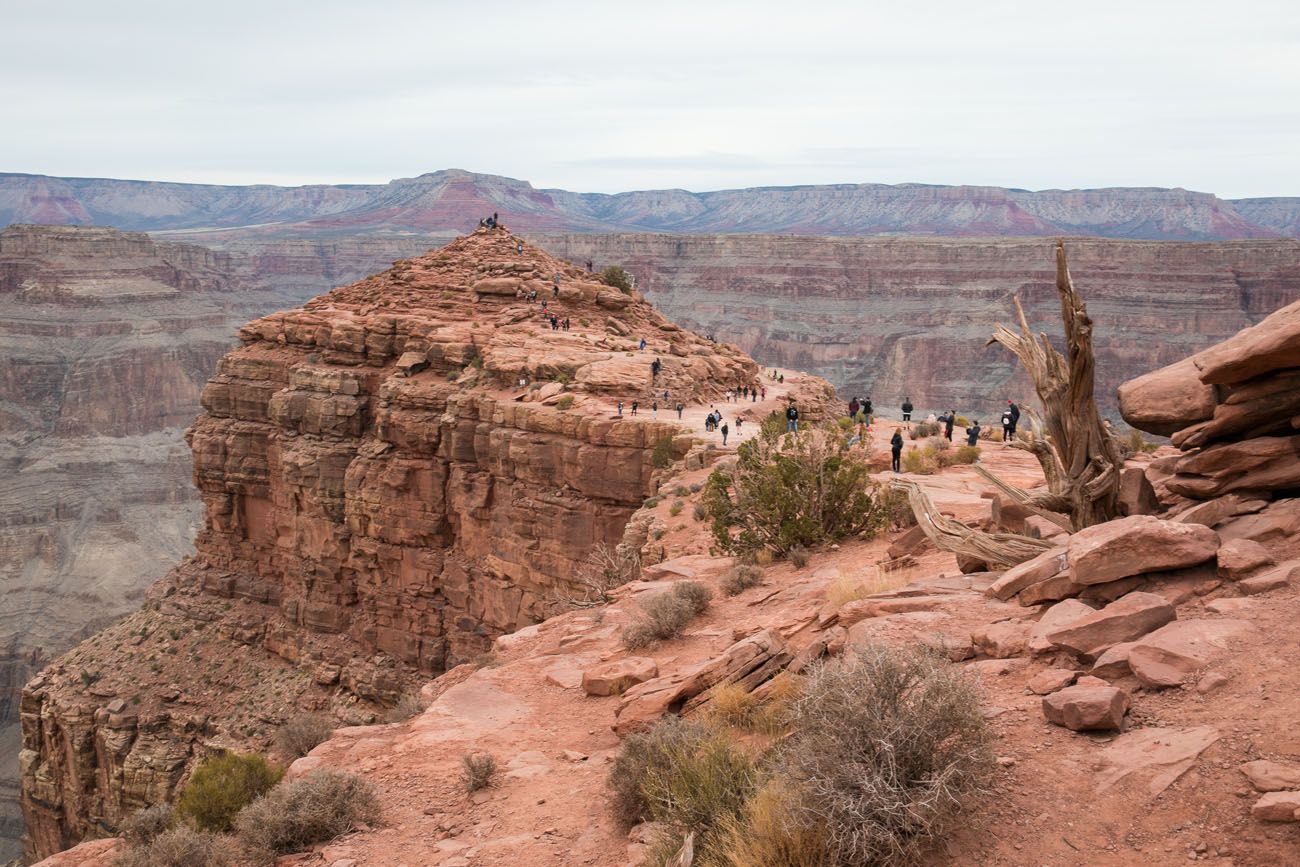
x=606, y=98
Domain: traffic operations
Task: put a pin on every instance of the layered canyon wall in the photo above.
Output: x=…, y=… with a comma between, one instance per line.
x=888, y=318
x=106, y=339
x=381, y=499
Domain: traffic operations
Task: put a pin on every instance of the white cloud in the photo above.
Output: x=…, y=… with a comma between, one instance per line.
x=614, y=96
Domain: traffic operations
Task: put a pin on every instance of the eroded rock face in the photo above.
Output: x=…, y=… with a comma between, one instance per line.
x=381, y=500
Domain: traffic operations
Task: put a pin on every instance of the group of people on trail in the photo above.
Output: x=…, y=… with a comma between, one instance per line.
x=714, y=422
x=861, y=409
x=1010, y=418
x=735, y=395
x=489, y=222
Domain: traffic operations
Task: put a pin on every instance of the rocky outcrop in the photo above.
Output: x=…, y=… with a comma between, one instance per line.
x=106, y=339
x=446, y=200
x=382, y=498
x=1234, y=411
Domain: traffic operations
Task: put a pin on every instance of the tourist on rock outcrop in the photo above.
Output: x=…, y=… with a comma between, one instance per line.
x=907, y=409
x=781, y=378
x=853, y=408
x=896, y=447
x=792, y=418
x=739, y=421
x=866, y=408
x=948, y=421
x=753, y=394
x=555, y=323
x=566, y=323
x=519, y=248
x=620, y=409
x=765, y=392
x=523, y=381
x=1015, y=416
x=655, y=367
x=679, y=411
x=654, y=409
x=1006, y=428
x=588, y=266
x=635, y=404
x=973, y=434
x=665, y=395
x=724, y=433
x=641, y=346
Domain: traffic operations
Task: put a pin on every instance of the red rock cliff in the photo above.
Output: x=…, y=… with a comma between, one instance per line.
x=382, y=499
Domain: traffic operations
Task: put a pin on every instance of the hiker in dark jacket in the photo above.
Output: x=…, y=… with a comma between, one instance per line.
x=724, y=433
x=792, y=419
x=1015, y=416
x=896, y=446
x=973, y=434
x=866, y=407
x=907, y=409
x=1007, y=427
x=948, y=422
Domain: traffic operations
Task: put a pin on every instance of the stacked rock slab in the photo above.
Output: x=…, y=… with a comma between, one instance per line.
x=1234, y=412
x=382, y=499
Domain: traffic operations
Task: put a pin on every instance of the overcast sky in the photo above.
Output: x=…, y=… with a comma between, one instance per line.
x=609, y=96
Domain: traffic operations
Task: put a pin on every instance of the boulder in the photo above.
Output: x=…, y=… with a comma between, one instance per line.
x=1087, y=708
x=1165, y=400
x=1059, y=586
x=1136, y=495
x=1264, y=463
x=1268, y=776
x=955, y=648
x=1279, y=519
x=1113, y=662
x=1273, y=344
x=1049, y=680
x=1213, y=512
x=1277, y=807
x=1137, y=544
x=1002, y=640
x=1125, y=619
x=616, y=676
x=1239, y=558
x=1174, y=652
x=1274, y=579
x=1017, y=578
x=1056, y=617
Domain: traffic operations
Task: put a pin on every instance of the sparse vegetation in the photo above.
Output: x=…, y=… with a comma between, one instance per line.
x=926, y=429
x=799, y=556
x=740, y=578
x=301, y=734
x=662, y=456
x=966, y=455
x=887, y=743
x=477, y=770
x=788, y=490
x=676, y=508
x=147, y=824
x=565, y=402
x=615, y=276
x=314, y=809
x=900, y=511
x=700, y=512
x=689, y=776
x=182, y=846
x=223, y=785
x=921, y=461
x=407, y=706
x=664, y=615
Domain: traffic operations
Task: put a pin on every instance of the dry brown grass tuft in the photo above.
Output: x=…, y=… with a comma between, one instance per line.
x=313, y=809
x=766, y=835
x=665, y=615
x=301, y=734
x=477, y=770
x=147, y=824
x=740, y=578
x=180, y=847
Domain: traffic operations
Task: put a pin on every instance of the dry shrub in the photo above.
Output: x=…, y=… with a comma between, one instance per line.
x=313, y=809
x=477, y=770
x=676, y=508
x=924, y=429
x=301, y=734
x=799, y=556
x=688, y=776
x=848, y=588
x=967, y=455
x=699, y=512
x=407, y=706
x=938, y=444
x=604, y=570
x=766, y=835
x=147, y=824
x=741, y=577
x=665, y=615
x=182, y=846
x=565, y=402
x=887, y=745
x=223, y=785
x=921, y=461
x=764, y=557
x=731, y=704
x=900, y=511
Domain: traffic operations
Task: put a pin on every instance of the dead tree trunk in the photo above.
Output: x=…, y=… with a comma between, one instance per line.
x=996, y=549
x=1078, y=453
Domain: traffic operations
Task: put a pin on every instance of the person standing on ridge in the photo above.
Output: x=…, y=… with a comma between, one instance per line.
x=620, y=409
x=655, y=367
x=907, y=409
x=1015, y=416
x=948, y=422
x=654, y=409
x=792, y=419
x=642, y=345
x=896, y=447
x=724, y=433
x=679, y=410
x=973, y=434
x=635, y=404
x=1006, y=428
x=867, y=408
x=853, y=408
